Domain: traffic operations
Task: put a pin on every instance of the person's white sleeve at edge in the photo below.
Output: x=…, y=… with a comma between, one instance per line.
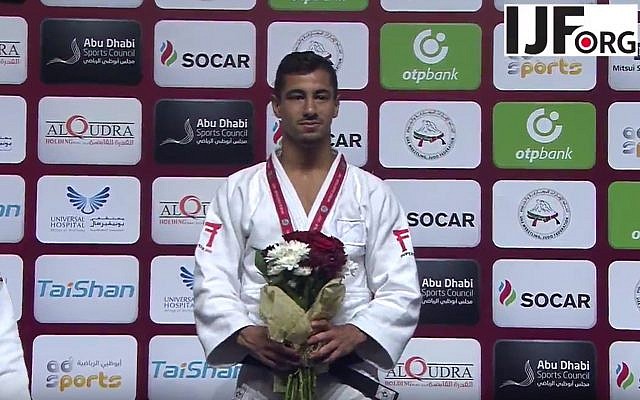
x=218, y=310
x=391, y=317
x=14, y=381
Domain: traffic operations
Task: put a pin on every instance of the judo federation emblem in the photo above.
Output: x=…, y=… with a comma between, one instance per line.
x=323, y=43
x=544, y=214
x=430, y=134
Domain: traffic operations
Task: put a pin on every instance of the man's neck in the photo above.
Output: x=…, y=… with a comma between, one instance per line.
x=306, y=159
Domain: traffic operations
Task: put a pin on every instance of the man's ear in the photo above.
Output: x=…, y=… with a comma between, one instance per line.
x=275, y=105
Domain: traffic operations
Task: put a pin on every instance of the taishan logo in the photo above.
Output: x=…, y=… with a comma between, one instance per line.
x=624, y=376
x=584, y=30
x=507, y=293
x=195, y=369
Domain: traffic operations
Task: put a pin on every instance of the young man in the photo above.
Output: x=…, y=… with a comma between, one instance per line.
x=315, y=189
x=14, y=381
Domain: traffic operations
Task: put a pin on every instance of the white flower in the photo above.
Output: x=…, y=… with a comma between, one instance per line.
x=286, y=255
x=302, y=271
x=350, y=268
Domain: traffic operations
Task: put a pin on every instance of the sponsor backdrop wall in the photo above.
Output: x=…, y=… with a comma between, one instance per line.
x=120, y=118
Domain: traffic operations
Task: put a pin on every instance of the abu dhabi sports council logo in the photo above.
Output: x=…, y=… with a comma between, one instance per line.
x=544, y=128
x=168, y=54
x=213, y=132
x=88, y=205
x=429, y=48
x=624, y=377
x=186, y=139
x=323, y=43
x=187, y=277
x=544, y=214
x=507, y=294
x=430, y=134
x=527, y=381
x=74, y=58
x=90, y=51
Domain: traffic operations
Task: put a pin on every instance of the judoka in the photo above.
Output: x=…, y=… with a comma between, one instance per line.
x=305, y=185
x=14, y=381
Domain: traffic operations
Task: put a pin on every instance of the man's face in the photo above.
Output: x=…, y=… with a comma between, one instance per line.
x=306, y=107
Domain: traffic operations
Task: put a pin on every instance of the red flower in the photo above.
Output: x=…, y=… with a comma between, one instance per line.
x=327, y=253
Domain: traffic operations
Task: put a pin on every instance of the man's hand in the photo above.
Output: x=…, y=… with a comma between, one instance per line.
x=336, y=341
x=272, y=354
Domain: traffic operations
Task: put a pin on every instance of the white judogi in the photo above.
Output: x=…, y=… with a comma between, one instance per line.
x=14, y=381
x=382, y=295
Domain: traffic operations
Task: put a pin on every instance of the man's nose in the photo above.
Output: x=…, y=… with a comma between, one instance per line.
x=310, y=106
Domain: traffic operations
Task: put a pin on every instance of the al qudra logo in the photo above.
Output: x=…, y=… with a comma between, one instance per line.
x=581, y=30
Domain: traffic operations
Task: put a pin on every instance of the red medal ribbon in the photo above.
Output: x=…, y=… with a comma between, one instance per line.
x=325, y=206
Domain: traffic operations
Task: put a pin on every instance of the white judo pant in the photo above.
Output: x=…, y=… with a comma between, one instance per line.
x=256, y=383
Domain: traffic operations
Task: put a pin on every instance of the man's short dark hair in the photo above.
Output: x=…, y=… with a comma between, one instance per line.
x=301, y=63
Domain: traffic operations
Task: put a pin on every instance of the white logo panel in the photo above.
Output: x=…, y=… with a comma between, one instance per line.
x=430, y=134
x=344, y=44
x=13, y=50
x=179, y=208
x=207, y=4
x=89, y=130
x=205, y=54
x=540, y=73
x=88, y=209
x=500, y=3
x=11, y=208
x=349, y=131
x=441, y=213
x=94, y=3
x=436, y=369
x=172, y=290
x=544, y=214
x=13, y=132
x=433, y=5
x=84, y=367
x=86, y=289
x=525, y=297
x=624, y=295
x=177, y=366
x=624, y=370
x=624, y=72
x=624, y=135
x=11, y=272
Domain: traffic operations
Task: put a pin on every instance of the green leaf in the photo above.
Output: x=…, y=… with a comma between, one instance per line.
x=261, y=264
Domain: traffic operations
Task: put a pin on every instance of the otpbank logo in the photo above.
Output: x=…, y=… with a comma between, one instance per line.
x=624, y=220
x=544, y=135
x=507, y=295
x=430, y=56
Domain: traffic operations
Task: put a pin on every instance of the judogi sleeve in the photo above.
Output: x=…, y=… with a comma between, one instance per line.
x=218, y=310
x=391, y=316
x=14, y=381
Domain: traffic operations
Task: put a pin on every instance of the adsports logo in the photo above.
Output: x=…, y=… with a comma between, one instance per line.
x=507, y=293
x=624, y=376
x=581, y=30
